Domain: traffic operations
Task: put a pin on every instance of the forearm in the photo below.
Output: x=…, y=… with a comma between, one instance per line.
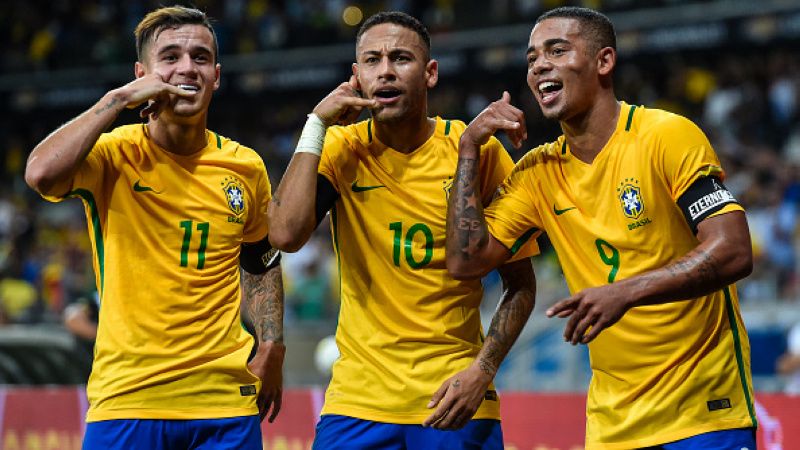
x=52, y=164
x=262, y=301
x=467, y=233
x=513, y=311
x=723, y=257
x=292, y=213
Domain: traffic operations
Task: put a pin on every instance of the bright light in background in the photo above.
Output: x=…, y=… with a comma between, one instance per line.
x=352, y=15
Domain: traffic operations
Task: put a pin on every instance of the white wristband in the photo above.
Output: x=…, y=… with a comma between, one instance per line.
x=313, y=136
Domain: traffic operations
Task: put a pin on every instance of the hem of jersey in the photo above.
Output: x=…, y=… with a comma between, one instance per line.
x=168, y=414
x=661, y=439
x=395, y=418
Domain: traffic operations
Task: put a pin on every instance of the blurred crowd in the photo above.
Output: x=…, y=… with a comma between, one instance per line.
x=746, y=99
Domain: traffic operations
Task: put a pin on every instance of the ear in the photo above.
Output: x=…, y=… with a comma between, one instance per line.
x=139, y=70
x=217, y=70
x=432, y=73
x=354, y=67
x=606, y=60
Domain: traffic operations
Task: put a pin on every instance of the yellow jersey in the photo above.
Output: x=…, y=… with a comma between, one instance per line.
x=405, y=325
x=663, y=372
x=166, y=230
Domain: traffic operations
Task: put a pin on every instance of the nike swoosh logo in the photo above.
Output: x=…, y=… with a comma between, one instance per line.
x=356, y=188
x=139, y=188
x=561, y=211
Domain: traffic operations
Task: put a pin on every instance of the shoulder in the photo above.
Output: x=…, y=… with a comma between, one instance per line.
x=132, y=133
x=359, y=132
x=542, y=155
x=242, y=153
x=658, y=123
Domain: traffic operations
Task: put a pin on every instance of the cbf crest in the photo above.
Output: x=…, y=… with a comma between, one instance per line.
x=234, y=194
x=630, y=198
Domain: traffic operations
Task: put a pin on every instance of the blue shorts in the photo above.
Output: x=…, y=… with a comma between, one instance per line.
x=736, y=439
x=234, y=433
x=341, y=432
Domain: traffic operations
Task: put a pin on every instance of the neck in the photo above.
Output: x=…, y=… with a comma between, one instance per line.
x=178, y=138
x=405, y=135
x=589, y=132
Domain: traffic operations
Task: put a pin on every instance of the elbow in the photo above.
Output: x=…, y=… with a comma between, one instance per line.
x=37, y=179
x=464, y=270
x=743, y=262
x=285, y=241
x=739, y=263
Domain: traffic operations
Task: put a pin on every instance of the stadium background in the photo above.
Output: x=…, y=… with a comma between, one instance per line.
x=732, y=66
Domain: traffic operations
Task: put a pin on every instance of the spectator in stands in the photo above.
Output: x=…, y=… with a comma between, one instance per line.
x=789, y=363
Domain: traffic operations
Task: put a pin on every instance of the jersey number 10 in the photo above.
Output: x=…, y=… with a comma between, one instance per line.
x=408, y=244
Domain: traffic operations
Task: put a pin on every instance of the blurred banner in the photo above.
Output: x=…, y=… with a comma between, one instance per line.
x=52, y=419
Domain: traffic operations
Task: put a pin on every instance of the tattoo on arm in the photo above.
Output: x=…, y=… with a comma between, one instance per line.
x=470, y=225
x=107, y=106
x=262, y=299
x=696, y=270
x=511, y=316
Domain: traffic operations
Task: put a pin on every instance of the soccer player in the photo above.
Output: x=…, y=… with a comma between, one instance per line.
x=174, y=210
x=649, y=239
x=409, y=334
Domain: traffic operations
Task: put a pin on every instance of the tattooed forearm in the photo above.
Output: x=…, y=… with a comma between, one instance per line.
x=511, y=316
x=262, y=298
x=697, y=270
x=107, y=106
x=466, y=211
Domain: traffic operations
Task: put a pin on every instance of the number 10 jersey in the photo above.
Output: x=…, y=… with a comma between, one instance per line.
x=405, y=324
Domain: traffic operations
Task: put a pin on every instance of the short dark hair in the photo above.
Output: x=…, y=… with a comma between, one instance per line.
x=169, y=17
x=397, y=18
x=595, y=26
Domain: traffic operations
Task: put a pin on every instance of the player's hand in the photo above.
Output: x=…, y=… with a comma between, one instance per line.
x=598, y=308
x=458, y=398
x=499, y=115
x=267, y=365
x=152, y=89
x=343, y=105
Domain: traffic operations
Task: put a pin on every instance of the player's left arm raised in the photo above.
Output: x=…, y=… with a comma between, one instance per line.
x=460, y=396
x=722, y=257
x=262, y=301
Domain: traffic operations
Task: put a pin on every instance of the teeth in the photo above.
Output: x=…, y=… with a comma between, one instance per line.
x=546, y=85
x=188, y=87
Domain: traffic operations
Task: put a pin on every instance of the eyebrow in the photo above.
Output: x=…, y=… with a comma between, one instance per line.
x=548, y=43
x=172, y=47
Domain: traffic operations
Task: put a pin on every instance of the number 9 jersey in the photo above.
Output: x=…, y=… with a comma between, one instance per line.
x=663, y=372
x=405, y=325
x=166, y=231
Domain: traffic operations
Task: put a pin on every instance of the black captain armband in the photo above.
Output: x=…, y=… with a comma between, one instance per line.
x=258, y=257
x=704, y=197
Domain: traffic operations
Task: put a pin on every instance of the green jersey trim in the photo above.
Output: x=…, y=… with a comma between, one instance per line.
x=630, y=118
x=737, y=346
x=88, y=198
x=522, y=240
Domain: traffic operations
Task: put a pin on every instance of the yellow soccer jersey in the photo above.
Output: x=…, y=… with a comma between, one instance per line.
x=166, y=231
x=405, y=325
x=663, y=372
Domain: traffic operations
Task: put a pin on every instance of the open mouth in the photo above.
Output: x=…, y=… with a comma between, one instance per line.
x=549, y=90
x=388, y=95
x=189, y=87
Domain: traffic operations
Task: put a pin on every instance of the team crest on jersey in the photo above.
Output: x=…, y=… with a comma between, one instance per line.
x=234, y=194
x=447, y=186
x=630, y=197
